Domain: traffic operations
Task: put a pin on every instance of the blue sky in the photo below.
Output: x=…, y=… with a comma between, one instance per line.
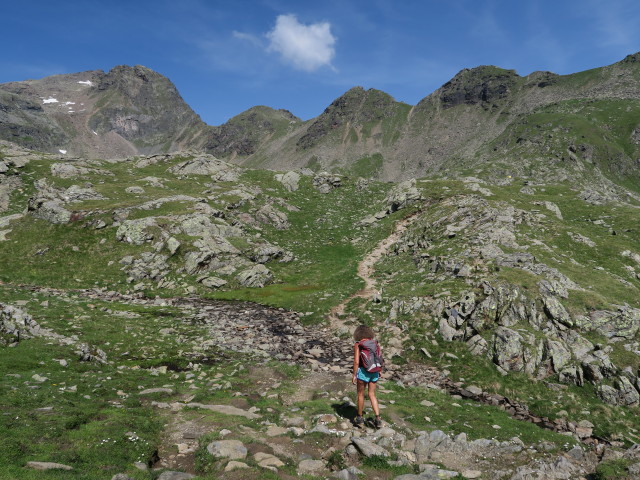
x=226, y=56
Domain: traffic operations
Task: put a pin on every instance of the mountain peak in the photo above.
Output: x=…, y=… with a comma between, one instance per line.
x=485, y=84
x=355, y=107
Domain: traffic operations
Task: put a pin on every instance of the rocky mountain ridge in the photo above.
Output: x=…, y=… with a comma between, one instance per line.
x=486, y=120
x=126, y=111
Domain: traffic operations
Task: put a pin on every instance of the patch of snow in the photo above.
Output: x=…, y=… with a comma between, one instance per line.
x=50, y=100
x=62, y=151
x=86, y=82
x=69, y=103
x=71, y=111
x=94, y=132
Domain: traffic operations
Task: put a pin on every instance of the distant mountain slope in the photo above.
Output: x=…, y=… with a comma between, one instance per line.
x=127, y=111
x=486, y=122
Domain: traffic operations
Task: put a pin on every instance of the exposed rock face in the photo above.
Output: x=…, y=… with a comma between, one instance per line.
x=15, y=324
x=256, y=276
x=289, y=180
x=125, y=111
x=324, y=182
x=50, y=210
x=231, y=449
x=356, y=106
x=244, y=133
x=403, y=195
x=481, y=114
x=484, y=85
x=207, y=165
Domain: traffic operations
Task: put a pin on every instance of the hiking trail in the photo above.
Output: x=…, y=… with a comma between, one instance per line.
x=366, y=269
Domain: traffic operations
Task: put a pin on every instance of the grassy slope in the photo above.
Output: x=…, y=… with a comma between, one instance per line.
x=328, y=246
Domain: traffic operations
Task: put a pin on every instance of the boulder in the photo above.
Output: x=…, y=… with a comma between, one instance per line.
x=213, y=282
x=402, y=195
x=50, y=210
x=48, y=466
x=310, y=467
x=231, y=449
x=171, y=475
x=556, y=311
x=16, y=324
x=234, y=465
x=135, y=231
x=508, y=349
x=324, y=182
x=289, y=180
x=256, y=276
x=269, y=215
x=368, y=448
x=207, y=165
x=552, y=207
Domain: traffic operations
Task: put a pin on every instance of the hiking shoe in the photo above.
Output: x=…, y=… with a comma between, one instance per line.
x=378, y=422
x=359, y=421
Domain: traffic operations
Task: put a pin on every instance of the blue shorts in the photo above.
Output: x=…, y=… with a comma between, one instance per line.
x=367, y=376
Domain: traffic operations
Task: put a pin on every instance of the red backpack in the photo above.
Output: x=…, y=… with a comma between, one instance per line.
x=370, y=355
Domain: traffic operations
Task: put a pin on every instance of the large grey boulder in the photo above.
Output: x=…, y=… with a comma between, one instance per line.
x=256, y=276
x=213, y=282
x=508, y=349
x=402, y=195
x=324, y=182
x=136, y=231
x=428, y=443
x=50, y=210
x=556, y=311
x=67, y=170
x=16, y=324
x=289, y=180
x=558, y=354
x=269, y=215
x=623, y=323
x=231, y=449
x=311, y=467
x=170, y=475
x=48, y=466
x=368, y=448
x=207, y=165
x=622, y=393
x=76, y=193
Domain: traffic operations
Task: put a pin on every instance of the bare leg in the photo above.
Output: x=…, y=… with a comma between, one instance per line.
x=373, y=398
x=360, y=386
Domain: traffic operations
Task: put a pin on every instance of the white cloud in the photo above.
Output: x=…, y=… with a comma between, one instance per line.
x=305, y=47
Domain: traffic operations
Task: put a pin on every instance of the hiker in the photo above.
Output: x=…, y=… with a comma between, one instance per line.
x=367, y=366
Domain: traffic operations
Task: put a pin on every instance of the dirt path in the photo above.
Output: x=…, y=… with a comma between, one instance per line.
x=366, y=269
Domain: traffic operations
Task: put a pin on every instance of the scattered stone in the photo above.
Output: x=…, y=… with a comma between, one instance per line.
x=171, y=475
x=257, y=276
x=225, y=409
x=150, y=391
x=234, y=465
x=368, y=448
x=310, y=467
x=232, y=449
x=275, y=430
x=266, y=460
x=289, y=180
x=48, y=466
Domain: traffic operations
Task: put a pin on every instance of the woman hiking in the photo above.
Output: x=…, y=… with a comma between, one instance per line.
x=367, y=366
